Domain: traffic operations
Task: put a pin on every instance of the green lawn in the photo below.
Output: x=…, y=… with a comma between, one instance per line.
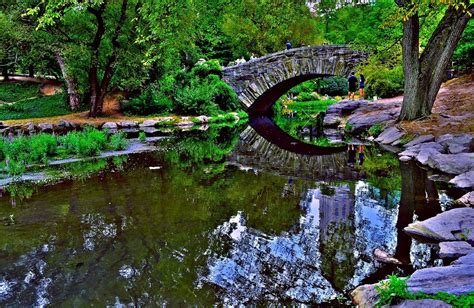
x=28, y=102
x=311, y=106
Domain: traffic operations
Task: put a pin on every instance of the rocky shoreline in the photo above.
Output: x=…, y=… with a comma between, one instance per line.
x=449, y=155
x=148, y=126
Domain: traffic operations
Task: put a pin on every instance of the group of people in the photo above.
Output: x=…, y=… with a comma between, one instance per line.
x=352, y=153
x=242, y=60
x=352, y=85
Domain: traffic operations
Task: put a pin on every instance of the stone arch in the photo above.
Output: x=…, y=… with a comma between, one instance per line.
x=260, y=82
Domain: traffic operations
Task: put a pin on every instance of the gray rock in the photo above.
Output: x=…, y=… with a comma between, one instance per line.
x=46, y=127
x=453, y=225
x=466, y=260
x=109, y=125
x=390, y=135
x=365, y=296
x=454, y=249
x=149, y=131
x=425, y=154
x=149, y=123
x=467, y=199
x=65, y=124
x=452, y=163
x=362, y=122
x=456, y=278
x=454, y=144
x=420, y=139
x=464, y=180
x=384, y=257
x=185, y=123
x=414, y=150
x=332, y=120
x=405, y=158
x=422, y=303
x=128, y=124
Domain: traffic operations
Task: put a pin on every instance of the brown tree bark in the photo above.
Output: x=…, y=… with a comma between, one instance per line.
x=71, y=84
x=99, y=89
x=424, y=74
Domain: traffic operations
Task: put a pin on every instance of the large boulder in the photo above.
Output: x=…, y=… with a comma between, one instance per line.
x=109, y=125
x=453, y=225
x=422, y=303
x=46, y=127
x=454, y=144
x=451, y=163
x=361, y=122
x=454, y=249
x=466, y=200
x=149, y=123
x=464, y=180
x=128, y=124
x=420, y=139
x=365, y=296
x=345, y=107
x=390, y=135
x=456, y=278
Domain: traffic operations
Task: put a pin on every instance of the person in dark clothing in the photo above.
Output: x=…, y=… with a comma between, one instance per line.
x=362, y=86
x=361, y=154
x=288, y=44
x=351, y=151
x=352, y=85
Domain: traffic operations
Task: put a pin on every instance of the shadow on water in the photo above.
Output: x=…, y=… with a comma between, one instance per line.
x=222, y=216
x=265, y=127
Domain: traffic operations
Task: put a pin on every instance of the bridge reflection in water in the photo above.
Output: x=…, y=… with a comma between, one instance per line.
x=266, y=147
x=330, y=251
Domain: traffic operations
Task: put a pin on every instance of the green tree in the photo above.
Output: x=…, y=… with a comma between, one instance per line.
x=424, y=71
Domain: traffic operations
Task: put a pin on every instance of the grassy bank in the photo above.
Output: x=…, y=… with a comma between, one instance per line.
x=23, y=100
x=17, y=154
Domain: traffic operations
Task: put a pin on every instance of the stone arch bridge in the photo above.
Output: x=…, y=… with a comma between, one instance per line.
x=260, y=82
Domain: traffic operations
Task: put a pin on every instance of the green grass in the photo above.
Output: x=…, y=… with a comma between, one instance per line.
x=375, y=130
x=311, y=106
x=18, y=154
x=14, y=91
x=28, y=102
x=396, y=289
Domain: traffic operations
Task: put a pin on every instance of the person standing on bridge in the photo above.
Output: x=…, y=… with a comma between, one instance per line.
x=352, y=85
x=288, y=44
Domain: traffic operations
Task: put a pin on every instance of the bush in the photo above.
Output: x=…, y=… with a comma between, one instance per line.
x=206, y=96
x=383, y=80
x=118, y=141
x=211, y=67
x=332, y=86
x=375, y=130
x=87, y=143
x=151, y=101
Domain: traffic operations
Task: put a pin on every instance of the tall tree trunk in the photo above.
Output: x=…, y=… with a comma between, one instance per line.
x=424, y=74
x=71, y=85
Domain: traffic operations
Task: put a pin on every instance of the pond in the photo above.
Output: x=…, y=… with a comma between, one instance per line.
x=216, y=216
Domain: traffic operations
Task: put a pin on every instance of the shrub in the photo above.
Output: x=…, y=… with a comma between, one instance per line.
x=332, y=86
x=87, y=143
x=375, y=130
x=142, y=136
x=118, y=141
x=151, y=101
x=382, y=80
x=207, y=68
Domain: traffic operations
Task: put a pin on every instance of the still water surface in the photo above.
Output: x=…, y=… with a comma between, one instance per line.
x=223, y=217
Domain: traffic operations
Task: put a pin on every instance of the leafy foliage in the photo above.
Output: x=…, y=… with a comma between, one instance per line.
x=16, y=155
